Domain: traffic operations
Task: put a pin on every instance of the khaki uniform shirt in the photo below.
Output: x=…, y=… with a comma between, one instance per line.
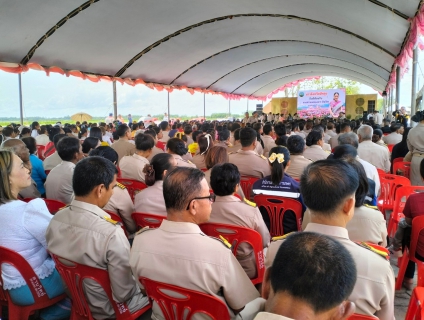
x=121, y=203
x=374, y=290
x=59, y=182
x=180, y=254
x=79, y=233
x=165, y=137
x=269, y=143
x=374, y=154
x=334, y=142
x=155, y=151
x=123, y=148
x=236, y=147
x=231, y=210
x=298, y=163
x=132, y=167
x=30, y=192
x=392, y=138
x=315, y=153
x=415, y=139
x=270, y=316
x=249, y=163
x=183, y=163
x=326, y=147
x=259, y=150
x=151, y=200
x=199, y=161
x=366, y=225
x=52, y=161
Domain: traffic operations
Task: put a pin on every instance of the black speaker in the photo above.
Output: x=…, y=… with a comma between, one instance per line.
x=365, y=116
x=259, y=108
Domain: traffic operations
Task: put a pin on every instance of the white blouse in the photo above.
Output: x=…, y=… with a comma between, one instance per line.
x=23, y=230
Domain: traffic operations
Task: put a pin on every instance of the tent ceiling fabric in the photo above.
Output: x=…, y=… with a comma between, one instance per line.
x=248, y=47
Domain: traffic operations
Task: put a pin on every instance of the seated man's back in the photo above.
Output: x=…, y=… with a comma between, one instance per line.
x=179, y=253
x=84, y=233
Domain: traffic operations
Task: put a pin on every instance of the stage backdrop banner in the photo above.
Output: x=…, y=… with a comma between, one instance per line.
x=321, y=103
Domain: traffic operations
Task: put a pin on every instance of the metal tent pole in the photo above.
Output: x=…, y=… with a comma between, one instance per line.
x=115, y=101
x=397, y=88
x=169, y=111
x=21, y=107
x=414, y=82
x=204, y=106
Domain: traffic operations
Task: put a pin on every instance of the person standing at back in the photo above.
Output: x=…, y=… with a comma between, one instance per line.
x=248, y=162
x=123, y=147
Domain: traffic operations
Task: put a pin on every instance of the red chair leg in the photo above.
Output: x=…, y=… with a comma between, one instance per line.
x=412, y=307
x=402, y=269
x=420, y=277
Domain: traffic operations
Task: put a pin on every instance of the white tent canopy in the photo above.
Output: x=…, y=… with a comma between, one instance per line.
x=244, y=47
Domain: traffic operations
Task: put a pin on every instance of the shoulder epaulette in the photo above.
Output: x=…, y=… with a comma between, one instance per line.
x=383, y=252
x=262, y=156
x=250, y=203
x=282, y=237
x=371, y=207
x=188, y=161
x=143, y=229
x=114, y=222
x=222, y=240
x=120, y=186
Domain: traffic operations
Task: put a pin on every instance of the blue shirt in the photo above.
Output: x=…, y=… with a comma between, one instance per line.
x=38, y=174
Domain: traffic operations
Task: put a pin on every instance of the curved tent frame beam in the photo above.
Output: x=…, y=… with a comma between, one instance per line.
x=177, y=33
x=302, y=75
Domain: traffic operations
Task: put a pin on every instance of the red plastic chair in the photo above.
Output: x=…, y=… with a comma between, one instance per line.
x=73, y=274
x=236, y=235
x=400, y=159
x=147, y=219
x=402, y=168
x=415, y=307
x=380, y=171
x=402, y=194
x=47, y=172
x=117, y=217
x=389, y=184
x=40, y=151
x=187, y=304
x=133, y=186
x=390, y=146
x=417, y=226
x=39, y=294
x=361, y=317
x=246, y=184
x=276, y=207
x=53, y=205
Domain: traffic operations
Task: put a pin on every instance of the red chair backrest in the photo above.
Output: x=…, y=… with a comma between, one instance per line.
x=147, y=219
x=402, y=194
x=380, y=171
x=119, y=173
x=402, y=168
x=389, y=185
x=187, y=304
x=400, y=159
x=390, y=146
x=34, y=284
x=236, y=235
x=47, y=172
x=54, y=205
x=74, y=274
x=133, y=186
x=40, y=151
x=417, y=227
x=246, y=184
x=276, y=207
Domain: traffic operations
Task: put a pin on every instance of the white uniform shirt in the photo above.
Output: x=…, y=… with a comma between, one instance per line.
x=374, y=154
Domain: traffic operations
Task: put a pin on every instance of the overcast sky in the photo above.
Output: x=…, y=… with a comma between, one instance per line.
x=58, y=96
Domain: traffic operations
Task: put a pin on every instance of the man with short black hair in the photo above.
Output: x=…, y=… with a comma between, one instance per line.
x=132, y=167
x=298, y=162
x=122, y=146
x=267, y=139
x=167, y=253
x=53, y=160
x=164, y=125
x=59, y=181
x=229, y=209
x=394, y=137
x=8, y=133
x=294, y=286
x=85, y=234
x=328, y=189
x=249, y=162
x=343, y=128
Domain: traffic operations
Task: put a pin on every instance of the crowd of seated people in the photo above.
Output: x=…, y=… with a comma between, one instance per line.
x=193, y=174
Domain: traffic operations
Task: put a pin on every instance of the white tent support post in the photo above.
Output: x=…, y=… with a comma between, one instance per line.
x=391, y=102
x=247, y=110
x=397, y=88
x=21, y=107
x=414, y=81
x=229, y=107
x=115, y=102
x=169, y=111
x=204, y=106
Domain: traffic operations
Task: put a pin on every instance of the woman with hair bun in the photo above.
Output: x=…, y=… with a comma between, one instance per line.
x=415, y=142
x=176, y=147
x=151, y=200
x=224, y=138
x=205, y=142
x=280, y=184
x=314, y=151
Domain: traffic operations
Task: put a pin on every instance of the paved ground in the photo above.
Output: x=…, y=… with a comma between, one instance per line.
x=402, y=296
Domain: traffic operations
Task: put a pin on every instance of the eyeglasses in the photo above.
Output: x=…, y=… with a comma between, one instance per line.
x=211, y=198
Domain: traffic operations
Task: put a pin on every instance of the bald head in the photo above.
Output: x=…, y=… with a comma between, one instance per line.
x=18, y=147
